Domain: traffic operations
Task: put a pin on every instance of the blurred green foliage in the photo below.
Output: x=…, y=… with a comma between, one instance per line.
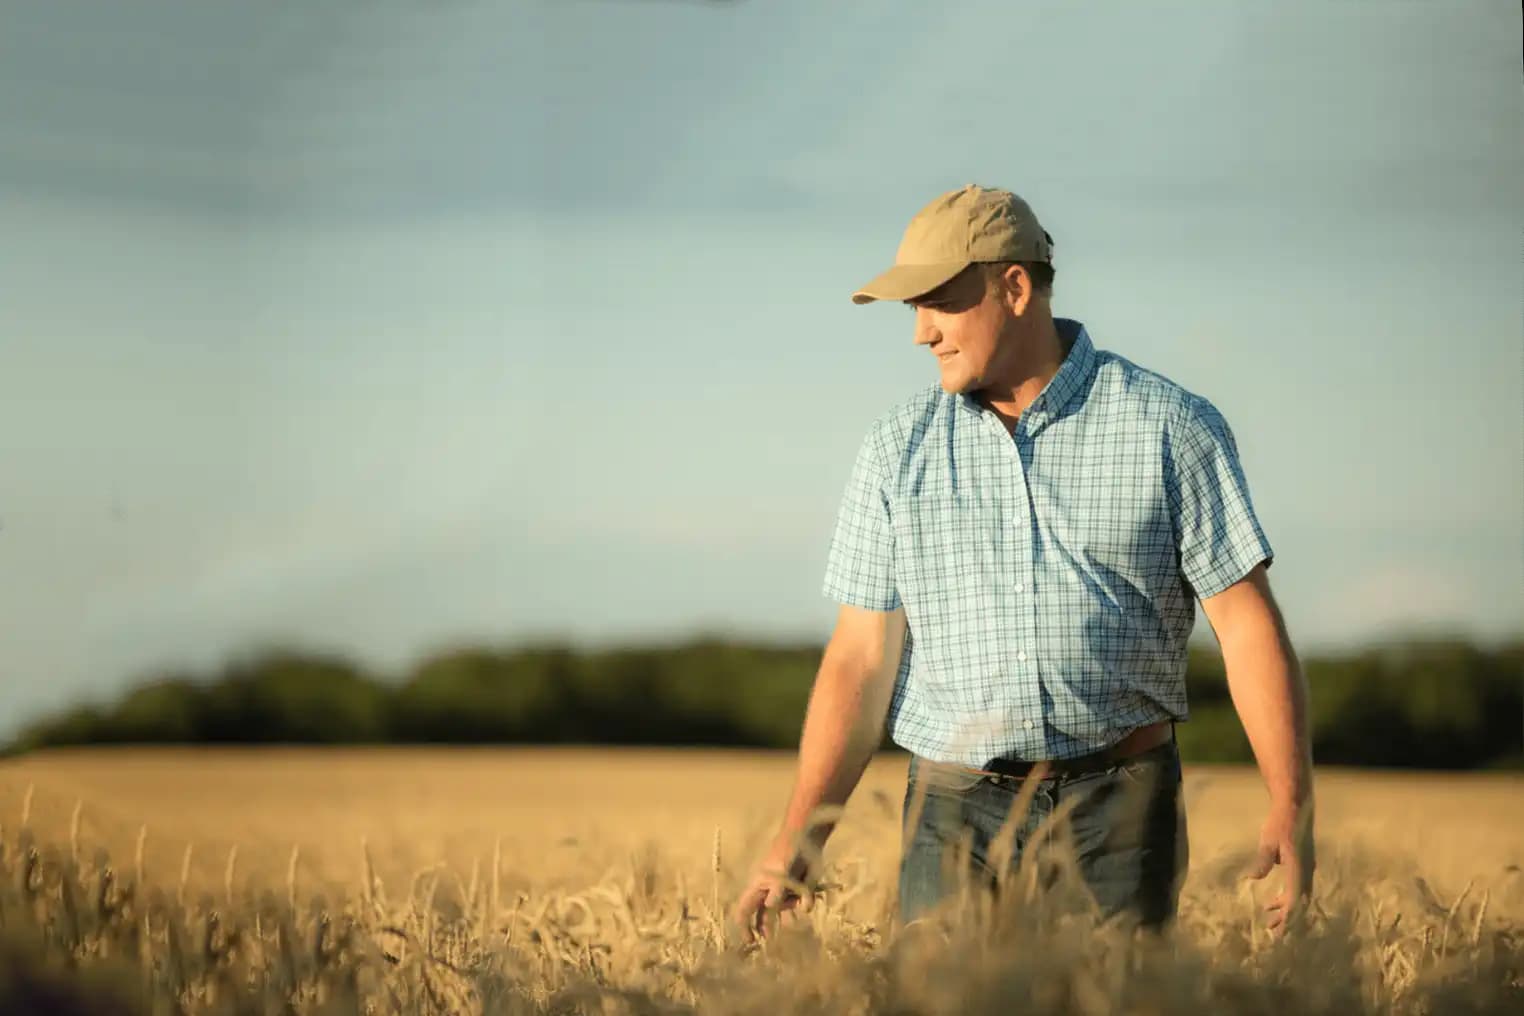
x=1442, y=704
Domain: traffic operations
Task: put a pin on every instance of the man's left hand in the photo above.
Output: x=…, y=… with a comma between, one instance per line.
x=1286, y=840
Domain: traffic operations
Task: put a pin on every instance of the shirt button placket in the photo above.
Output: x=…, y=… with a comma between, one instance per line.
x=1026, y=629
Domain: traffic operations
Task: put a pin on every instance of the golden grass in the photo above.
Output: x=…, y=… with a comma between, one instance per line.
x=536, y=880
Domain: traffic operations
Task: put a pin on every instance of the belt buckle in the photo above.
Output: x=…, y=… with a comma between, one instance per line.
x=1016, y=769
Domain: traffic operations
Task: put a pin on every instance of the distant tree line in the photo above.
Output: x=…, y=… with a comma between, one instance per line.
x=1433, y=704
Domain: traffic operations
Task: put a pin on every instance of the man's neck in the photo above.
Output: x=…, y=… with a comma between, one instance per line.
x=1010, y=399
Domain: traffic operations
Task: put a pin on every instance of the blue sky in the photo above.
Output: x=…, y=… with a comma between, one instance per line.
x=381, y=328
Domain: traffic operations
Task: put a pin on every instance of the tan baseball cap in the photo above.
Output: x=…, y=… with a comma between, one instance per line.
x=958, y=229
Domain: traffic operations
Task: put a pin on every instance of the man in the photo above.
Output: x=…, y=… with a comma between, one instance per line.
x=1017, y=560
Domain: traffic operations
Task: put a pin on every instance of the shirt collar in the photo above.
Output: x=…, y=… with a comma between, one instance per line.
x=1072, y=375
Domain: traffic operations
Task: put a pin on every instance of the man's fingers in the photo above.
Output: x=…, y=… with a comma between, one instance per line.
x=1279, y=909
x=768, y=904
x=750, y=913
x=749, y=901
x=763, y=919
x=750, y=924
x=787, y=902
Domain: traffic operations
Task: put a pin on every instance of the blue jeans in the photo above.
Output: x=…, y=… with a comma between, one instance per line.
x=1126, y=825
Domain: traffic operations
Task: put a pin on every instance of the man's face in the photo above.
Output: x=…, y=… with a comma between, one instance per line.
x=961, y=323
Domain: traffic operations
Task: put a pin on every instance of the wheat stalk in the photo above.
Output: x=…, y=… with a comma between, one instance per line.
x=1444, y=941
x=714, y=866
x=296, y=851
x=367, y=875
x=79, y=806
x=137, y=856
x=185, y=863
x=1481, y=915
x=497, y=865
x=227, y=873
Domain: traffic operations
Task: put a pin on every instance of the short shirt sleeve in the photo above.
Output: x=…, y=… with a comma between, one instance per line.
x=860, y=564
x=1218, y=535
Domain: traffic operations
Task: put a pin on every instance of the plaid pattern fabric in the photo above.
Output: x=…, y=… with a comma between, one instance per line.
x=1049, y=578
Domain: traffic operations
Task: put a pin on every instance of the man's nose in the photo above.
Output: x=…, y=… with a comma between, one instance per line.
x=925, y=331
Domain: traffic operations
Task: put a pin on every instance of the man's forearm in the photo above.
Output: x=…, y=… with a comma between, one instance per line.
x=1270, y=695
x=843, y=727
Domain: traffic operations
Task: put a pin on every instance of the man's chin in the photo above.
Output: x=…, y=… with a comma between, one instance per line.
x=954, y=385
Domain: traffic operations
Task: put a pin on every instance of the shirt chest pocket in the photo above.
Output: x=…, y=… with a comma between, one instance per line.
x=948, y=551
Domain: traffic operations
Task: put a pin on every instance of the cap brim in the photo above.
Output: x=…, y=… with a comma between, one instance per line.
x=906, y=282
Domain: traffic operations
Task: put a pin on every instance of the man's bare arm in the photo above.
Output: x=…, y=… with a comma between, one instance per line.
x=1266, y=683
x=843, y=726
x=1269, y=692
x=844, y=723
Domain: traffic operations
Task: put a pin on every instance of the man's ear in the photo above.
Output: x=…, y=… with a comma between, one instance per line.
x=1016, y=288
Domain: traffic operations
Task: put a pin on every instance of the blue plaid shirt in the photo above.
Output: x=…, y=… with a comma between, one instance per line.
x=1049, y=578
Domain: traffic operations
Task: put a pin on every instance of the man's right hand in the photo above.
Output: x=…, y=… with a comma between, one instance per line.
x=774, y=894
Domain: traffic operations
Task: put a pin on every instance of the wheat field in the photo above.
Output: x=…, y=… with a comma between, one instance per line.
x=595, y=881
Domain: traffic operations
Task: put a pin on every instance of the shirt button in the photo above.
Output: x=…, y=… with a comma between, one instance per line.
x=1018, y=587
x=1021, y=657
x=1027, y=724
